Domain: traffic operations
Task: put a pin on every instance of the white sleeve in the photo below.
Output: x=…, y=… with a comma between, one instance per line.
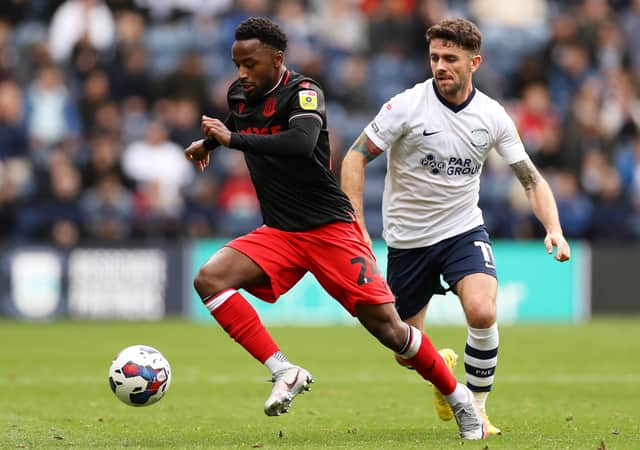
x=390, y=123
x=508, y=143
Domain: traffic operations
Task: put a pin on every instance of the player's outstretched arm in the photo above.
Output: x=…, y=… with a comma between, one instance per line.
x=543, y=205
x=198, y=154
x=361, y=152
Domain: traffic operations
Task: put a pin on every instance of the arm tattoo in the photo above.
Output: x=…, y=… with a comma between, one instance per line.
x=526, y=173
x=365, y=147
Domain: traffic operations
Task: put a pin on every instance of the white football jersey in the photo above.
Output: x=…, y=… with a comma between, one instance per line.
x=435, y=152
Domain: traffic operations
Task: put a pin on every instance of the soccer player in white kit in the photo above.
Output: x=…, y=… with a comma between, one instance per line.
x=437, y=136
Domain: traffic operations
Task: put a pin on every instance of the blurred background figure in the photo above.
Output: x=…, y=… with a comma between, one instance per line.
x=52, y=113
x=77, y=21
x=93, y=79
x=160, y=172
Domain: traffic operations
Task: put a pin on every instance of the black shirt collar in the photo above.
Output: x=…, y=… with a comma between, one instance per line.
x=451, y=106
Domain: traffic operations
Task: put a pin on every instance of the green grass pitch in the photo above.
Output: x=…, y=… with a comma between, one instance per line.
x=557, y=387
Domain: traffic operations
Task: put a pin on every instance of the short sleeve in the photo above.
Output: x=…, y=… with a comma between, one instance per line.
x=508, y=143
x=389, y=124
x=308, y=101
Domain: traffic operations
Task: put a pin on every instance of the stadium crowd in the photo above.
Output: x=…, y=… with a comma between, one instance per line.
x=98, y=98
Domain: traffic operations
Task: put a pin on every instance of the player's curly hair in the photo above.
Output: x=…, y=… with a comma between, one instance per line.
x=264, y=30
x=464, y=33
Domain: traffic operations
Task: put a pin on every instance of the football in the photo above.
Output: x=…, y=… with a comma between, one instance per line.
x=140, y=375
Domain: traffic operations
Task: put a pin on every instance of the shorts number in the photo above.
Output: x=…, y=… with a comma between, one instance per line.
x=487, y=253
x=362, y=278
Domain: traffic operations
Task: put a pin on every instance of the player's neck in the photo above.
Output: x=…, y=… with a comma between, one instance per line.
x=460, y=97
x=283, y=69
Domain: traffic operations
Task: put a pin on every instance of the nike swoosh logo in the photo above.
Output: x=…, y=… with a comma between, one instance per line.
x=429, y=133
x=295, y=380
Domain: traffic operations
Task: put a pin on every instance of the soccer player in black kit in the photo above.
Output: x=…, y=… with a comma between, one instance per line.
x=278, y=120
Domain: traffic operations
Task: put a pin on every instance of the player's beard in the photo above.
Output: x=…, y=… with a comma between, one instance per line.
x=451, y=88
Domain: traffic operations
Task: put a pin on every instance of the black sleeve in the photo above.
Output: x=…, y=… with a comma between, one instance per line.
x=298, y=140
x=211, y=144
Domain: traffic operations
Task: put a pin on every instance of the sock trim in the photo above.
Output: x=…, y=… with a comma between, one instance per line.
x=414, y=341
x=213, y=302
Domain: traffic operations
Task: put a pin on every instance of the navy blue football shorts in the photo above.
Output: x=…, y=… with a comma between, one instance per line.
x=414, y=274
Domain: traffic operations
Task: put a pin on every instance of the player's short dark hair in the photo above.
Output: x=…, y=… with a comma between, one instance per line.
x=264, y=30
x=464, y=33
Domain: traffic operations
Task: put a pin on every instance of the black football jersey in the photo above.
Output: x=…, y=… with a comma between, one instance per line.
x=296, y=192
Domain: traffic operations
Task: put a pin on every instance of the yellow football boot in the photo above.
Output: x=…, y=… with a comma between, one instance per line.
x=492, y=430
x=442, y=406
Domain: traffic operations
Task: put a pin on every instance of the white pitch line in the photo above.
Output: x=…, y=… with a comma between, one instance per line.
x=57, y=379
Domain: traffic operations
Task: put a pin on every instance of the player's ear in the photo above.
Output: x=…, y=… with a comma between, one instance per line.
x=278, y=59
x=476, y=60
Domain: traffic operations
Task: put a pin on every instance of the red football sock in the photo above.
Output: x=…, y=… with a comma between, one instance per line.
x=240, y=320
x=424, y=358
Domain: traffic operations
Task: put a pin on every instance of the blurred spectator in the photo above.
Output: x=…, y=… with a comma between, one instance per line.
x=131, y=77
x=582, y=124
x=238, y=207
x=160, y=171
x=80, y=20
x=188, y=80
x=350, y=84
x=104, y=160
x=610, y=51
x=164, y=10
x=84, y=61
x=57, y=215
x=396, y=30
x=80, y=80
x=15, y=174
x=574, y=207
x=52, y=114
x=631, y=30
x=613, y=211
x=200, y=217
x=184, y=121
x=510, y=29
x=620, y=110
x=566, y=78
x=130, y=29
x=302, y=46
x=241, y=10
x=595, y=169
x=13, y=125
x=134, y=119
x=95, y=93
x=534, y=116
x=341, y=15
x=107, y=119
x=591, y=17
x=108, y=209
x=8, y=53
x=19, y=11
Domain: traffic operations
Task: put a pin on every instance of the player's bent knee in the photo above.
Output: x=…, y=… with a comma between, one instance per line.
x=208, y=281
x=480, y=314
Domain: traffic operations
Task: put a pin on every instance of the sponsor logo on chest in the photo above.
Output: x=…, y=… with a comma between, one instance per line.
x=452, y=166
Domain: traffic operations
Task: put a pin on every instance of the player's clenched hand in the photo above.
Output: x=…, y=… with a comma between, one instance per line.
x=215, y=129
x=197, y=154
x=563, y=252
